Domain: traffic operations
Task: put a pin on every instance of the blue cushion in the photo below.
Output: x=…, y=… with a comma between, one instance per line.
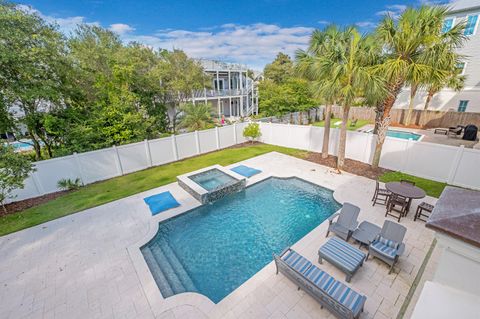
x=245, y=170
x=384, y=249
x=296, y=261
x=342, y=253
x=161, y=202
x=319, y=278
x=346, y=296
x=388, y=242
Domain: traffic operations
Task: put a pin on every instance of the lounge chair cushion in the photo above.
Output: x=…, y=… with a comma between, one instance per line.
x=346, y=296
x=319, y=278
x=161, y=202
x=342, y=253
x=245, y=170
x=384, y=249
x=296, y=261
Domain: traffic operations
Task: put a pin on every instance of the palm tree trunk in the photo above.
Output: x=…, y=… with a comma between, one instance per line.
x=428, y=100
x=413, y=92
x=343, y=138
x=394, y=90
x=326, y=130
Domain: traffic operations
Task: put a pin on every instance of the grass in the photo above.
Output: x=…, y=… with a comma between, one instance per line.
x=358, y=125
x=432, y=188
x=116, y=188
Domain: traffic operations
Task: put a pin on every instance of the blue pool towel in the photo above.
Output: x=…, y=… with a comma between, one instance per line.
x=161, y=202
x=246, y=171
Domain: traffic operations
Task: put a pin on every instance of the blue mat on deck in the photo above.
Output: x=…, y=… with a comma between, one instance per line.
x=245, y=170
x=161, y=202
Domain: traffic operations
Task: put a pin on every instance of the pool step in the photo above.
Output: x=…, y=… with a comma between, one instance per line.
x=171, y=276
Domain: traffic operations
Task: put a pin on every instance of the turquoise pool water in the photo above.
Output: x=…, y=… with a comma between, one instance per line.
x=403, y=135
x=215, y=248
x=212, y=179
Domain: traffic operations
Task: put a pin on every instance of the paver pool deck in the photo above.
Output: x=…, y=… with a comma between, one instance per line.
x=88, y=265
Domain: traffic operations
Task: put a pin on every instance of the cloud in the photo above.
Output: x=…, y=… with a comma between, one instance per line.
x=365, y=24
x=323, y=22
x=121, y=28
x=393, y=10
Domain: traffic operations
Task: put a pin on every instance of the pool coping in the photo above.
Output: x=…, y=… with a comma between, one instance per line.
x=155, y=299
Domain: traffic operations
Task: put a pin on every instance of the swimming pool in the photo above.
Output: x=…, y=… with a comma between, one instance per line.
x=21, y=146
x=404, y=135
x=215, y=248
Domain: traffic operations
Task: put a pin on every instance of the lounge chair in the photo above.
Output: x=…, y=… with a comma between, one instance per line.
x=346, y=222
x=455, y=131
x=338, y=298
x=388, y=246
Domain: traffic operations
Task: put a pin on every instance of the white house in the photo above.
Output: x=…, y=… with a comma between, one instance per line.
x=467, y=100
x=233, y=93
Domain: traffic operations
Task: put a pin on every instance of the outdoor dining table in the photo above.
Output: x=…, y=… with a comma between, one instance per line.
x=406, y=190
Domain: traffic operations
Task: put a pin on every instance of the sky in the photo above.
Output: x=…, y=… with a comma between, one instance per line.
x=250, y=32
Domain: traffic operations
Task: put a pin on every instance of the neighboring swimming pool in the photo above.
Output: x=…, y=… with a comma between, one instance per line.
x=402, y=134
x=21, y=146
x=215, y=248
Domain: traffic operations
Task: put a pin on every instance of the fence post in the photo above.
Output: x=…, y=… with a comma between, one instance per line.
x=217, y=137
x=407, y=155
x=79, y=167
x=368, y=148
x=174, y=147
x=235, y=139
x=310, y=138
x=197, y=142
x=456, y=162
x=37, y=183
x=118, y=163
x=149, y=154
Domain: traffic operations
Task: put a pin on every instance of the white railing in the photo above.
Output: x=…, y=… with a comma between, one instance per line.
x=120, y=160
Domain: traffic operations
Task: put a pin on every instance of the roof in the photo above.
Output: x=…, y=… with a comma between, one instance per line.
x=457, y=214
x=464, y=5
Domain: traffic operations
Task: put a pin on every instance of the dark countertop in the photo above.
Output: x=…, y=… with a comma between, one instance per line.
x=457, y=213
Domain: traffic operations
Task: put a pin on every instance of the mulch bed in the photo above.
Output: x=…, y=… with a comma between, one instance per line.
x=350, y=166
x=30, y=202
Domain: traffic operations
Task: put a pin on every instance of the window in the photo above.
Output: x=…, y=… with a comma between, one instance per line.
x=219, y=85
x=447, y=25
x=471, y=25
x=462, y=106
x=461, y=68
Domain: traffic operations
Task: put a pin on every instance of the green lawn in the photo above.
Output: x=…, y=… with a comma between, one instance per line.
x=103, y=192
x=432, y=188
x=358, y=125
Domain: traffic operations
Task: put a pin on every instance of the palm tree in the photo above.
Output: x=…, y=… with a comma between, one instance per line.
x=454, y=81
x=344, y=70
x=408, y=44
x=195, y=116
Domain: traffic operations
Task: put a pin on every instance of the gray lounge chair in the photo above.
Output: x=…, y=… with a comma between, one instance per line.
x=346, y=222
x=338, y=298
x=388, y=246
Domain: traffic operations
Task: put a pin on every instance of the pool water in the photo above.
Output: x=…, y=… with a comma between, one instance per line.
x=215, y=248
x=212, y=179
x=403, y=135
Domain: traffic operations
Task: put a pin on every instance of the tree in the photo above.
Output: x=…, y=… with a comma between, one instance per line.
x=347, y=70
x=196, y=116
x=280, y=70
x=180, y=76
x=405, y=42
x=454, y=81
x=31, y=68
x=252, y=131
x=14, y=169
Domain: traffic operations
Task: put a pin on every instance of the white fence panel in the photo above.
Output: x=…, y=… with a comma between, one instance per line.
x=98, y=165
x=393, y=154
x=225, y=135
x=186, y=145
x=239, y=130
x=467, y=173
x=333, y=141
x=161, y=151
x=298, y=136
x=28, y=191
x=356, y=145
x=279, y=134
x=49, y=172
x=133, y=157
x=208, y=140
x=432, y=161
x=316, y=139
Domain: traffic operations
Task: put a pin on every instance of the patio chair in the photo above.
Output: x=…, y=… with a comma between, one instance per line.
x=397, y=206
x=388, y=246
x=346, y=222
x=455, y=131
x=406, y=181
x=380, y=195
x=353, y=123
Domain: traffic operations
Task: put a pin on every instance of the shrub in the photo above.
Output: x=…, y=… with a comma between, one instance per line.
x=252, y=131
x=68, y=184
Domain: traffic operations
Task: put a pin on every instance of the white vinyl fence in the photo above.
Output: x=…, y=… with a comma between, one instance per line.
x=106, y=163
x=454, y=165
